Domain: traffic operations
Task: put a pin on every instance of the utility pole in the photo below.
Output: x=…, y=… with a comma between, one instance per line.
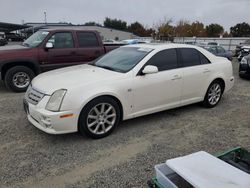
x=45, y=17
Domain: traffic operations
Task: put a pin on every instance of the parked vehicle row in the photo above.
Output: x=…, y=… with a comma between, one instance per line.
x=128, y=82
x=239, y=47
x=3, y=41
x=220, y=51
x=244, y=68
x=14, y=37
x=46, y=50
x=245, y=50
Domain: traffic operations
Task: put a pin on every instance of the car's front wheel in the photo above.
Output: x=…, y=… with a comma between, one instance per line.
x=99, y=117
x=18, y=78
x=214, y=94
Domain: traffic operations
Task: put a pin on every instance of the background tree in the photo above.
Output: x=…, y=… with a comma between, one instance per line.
x=92, y=24
x=197, y=29
x=240, y=30
x=138, y=29
x=165, y=31
x=115, y=24
x=226, y=34
x=214, y=30
x=182, y=29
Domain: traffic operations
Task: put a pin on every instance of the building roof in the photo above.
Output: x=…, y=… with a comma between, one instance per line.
x=8, y=27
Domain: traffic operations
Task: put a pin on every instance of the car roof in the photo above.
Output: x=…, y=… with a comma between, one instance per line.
x=67, y=29
x=161, y=46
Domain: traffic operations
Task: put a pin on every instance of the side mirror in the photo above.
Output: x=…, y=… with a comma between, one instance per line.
x=49, y=45
x=150, y=69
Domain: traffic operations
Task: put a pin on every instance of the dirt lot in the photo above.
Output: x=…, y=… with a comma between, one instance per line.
x=31, y=158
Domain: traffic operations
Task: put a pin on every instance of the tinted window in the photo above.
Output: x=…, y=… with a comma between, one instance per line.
x=190, y=57
x=164, y=60
x=203, y=59
x=86, y=39
x=62, y=40
x=213, y=50
x=221, y=50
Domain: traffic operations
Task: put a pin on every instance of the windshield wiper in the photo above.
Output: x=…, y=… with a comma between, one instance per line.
x=106, y=67
x=26, y=44
x=109, y=68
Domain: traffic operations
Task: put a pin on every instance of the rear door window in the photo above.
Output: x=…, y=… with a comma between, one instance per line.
x=203, y=59
x=87, y=39
x=190, y=57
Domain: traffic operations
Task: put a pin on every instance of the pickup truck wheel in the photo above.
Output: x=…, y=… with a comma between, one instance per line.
x=214, y=94
x=99, y=117
x=18, y=78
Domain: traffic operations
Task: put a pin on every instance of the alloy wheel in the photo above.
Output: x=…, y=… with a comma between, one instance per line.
x=101, y=118
x=214, y=94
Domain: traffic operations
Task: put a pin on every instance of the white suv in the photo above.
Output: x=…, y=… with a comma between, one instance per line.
x=128, y=82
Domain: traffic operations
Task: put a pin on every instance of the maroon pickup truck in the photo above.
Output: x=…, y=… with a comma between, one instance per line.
x=46, y=50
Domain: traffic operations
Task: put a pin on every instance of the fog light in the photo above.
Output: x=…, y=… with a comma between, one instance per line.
x=46, y=121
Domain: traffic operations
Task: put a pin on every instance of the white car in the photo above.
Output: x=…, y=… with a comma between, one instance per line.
x=128, y=82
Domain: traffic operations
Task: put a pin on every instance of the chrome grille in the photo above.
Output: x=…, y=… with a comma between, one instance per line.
x=33, y=96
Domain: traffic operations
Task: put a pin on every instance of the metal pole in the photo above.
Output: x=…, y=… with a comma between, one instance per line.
x=45, y=17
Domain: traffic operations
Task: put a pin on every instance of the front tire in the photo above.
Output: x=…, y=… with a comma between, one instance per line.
x=18, y=78
x=99, y=117
x=214, y=94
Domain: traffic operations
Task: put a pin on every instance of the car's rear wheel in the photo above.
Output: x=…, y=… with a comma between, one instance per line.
x=214, y=94
x=18, y=78
x=99, y=117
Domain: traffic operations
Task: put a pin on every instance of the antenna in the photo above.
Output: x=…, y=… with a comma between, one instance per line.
x=45, y=17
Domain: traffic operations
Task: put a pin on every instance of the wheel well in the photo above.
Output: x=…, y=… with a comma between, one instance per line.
x=111, y=96
x=222, y=82
x=114, y=98
x=7, y=66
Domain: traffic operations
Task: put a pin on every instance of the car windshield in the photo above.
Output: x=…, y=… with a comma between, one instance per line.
x=122, y=59
x=35, y=39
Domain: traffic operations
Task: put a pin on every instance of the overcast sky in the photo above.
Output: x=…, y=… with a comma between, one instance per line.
x=148, y=12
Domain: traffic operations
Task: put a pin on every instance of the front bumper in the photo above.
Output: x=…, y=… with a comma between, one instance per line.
x=51, y=122
x=244, y=70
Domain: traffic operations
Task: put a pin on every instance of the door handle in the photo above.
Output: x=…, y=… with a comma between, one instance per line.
x=176, y=77
x=206, y=71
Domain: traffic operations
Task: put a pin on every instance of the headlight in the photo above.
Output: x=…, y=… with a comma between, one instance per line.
x=244, y=61
x=55, y=101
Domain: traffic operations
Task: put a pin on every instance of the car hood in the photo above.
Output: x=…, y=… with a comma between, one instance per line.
x=72, y=77
x=12, y=47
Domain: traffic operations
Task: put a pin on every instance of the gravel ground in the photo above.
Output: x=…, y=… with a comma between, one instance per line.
x=31, y=158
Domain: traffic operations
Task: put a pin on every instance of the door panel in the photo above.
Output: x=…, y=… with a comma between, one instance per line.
x=155, y=92
x=62, y=54
x=196, y=72
x=195, y=81
x=89, y=47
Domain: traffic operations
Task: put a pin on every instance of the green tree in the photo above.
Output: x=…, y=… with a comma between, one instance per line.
x=115, y=24
x=240, y=30
x=92, y=24
x=138, y=29
x=214, y=30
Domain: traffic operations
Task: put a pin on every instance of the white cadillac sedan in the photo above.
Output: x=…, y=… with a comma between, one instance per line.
x=128, y=82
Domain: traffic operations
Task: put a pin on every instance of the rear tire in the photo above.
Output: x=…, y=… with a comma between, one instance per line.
x=18, y=78
x=214, y=94
x=99, y=117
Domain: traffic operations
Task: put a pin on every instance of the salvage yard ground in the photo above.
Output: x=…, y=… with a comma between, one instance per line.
x=31, y=158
